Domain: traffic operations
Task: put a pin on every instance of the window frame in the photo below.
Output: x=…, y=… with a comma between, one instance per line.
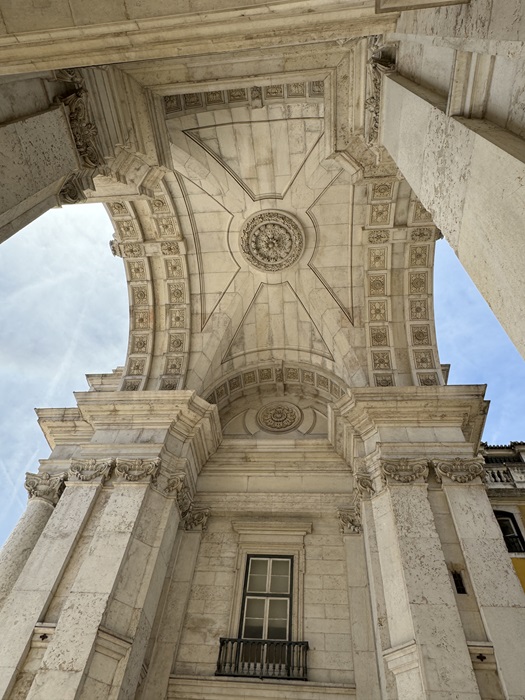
x=260, y=538
x=267, y=595
x=512, y=517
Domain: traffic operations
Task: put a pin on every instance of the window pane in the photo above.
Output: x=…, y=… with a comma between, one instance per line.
x=278, y=608
x=280, y=577
x=506, y=526
x=280, y=567
x=257, y=580
x=258, y=566
x=254, y=619
x=255, y=607
x=278, y=619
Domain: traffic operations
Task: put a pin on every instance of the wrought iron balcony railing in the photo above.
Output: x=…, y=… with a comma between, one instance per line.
x=262, y=658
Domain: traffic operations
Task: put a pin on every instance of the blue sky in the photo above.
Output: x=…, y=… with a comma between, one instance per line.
x=65, y=314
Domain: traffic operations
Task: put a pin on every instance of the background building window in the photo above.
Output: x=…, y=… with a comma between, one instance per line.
x=511, y=532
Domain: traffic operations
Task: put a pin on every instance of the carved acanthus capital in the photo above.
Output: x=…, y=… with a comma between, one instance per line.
x=403, y=471
x=137, y=469
x=177, y=485
x=45, y=486
x=83, y=129
x=459, y=470
x=197, y=517
x=364, y=485
x=91, y=470
x=350, y=520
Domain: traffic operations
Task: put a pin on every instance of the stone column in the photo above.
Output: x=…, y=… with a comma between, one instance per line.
x=39, y=154
x=67, y=659
x=27, y=602
x=428, y=654
x=465, y=173
x=44, y=491
x=498, y=592
x=173, y=613
x=361, y=630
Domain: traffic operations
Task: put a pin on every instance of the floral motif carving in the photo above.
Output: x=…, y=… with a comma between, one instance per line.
x=378, y=236
x=197, y=517
x=83, y=130
x=422, y=234
x=404, y=471
x=271, y=241
x=379, y=336
x=459, y=470
x=418, y=309
x=177, y=485
x=90, y=469
x=377, y=310
x=137, y=469
x=45, y=486
x=364, y=485
x=378, y=64
x=350, y=520
x=279, y=417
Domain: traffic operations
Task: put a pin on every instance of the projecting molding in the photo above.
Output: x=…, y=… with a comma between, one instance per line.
x=399, y=5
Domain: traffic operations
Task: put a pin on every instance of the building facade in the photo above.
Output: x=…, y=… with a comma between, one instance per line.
x=277, y=494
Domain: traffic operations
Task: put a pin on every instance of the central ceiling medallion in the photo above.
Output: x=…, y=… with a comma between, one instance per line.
x=279, y=417
x=272, y=241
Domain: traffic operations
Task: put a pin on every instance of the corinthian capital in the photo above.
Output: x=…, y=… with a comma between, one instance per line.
x=459, y=470
x=404, y=471
x=90, y=469
x=45, y=486
x=137, y=469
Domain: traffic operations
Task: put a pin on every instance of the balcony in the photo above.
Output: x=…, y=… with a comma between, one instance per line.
x=505, y=476
x=262, y=658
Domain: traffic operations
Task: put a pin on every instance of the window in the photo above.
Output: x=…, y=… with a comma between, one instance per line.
x=266, y=622
x=267, y=599
x=511, y=532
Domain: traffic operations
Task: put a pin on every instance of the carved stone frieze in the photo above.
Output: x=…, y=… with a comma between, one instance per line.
x=404, y=471
x=197, y=517
x=137, y=469
x=177, y=484
x=350, y=521
x=191, y=517
x=90, y=470
x=363, y=485
x=381, y=61
x=271, y=241
x=459, y=470
x=45, y=486
x=83, y=129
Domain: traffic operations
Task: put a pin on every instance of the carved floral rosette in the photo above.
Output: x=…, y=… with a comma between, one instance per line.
x=271, y=240
x=137, y=469
x=44, y=486
x=279, y=417
x=403, y=471
x=90, y=470
x=459, y=470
